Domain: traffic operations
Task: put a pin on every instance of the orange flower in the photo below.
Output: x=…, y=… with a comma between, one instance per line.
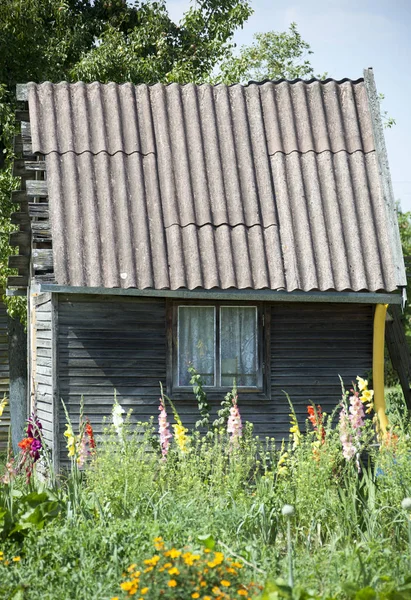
x=25, y=443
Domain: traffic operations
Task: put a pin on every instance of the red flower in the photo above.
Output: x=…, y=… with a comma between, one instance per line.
x=90, y=434
x=316, y=420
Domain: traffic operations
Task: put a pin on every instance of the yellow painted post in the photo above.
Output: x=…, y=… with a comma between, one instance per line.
x=378, y=365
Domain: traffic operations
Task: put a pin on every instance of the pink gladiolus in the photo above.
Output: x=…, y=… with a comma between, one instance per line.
x=164, y=429
x=349, y=450
x=234, y=424
x=357, y=414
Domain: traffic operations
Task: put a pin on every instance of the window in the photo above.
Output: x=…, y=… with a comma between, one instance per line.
x=222, y=342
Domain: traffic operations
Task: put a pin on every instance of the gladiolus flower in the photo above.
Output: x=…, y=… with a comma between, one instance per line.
x=234, y=423
x=182, y=440
x=164, y=430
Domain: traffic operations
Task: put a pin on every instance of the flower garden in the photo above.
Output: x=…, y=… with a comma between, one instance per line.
x=154, y=511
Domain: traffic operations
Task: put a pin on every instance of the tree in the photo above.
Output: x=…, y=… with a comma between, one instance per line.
x=272, y=55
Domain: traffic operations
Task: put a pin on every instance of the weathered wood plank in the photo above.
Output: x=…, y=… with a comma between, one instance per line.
x=22, y=92
x=36, y=189
x=19, y=238
x=22, y=115
x=38, y=209
x=19, y=197
x=17, y=261
x=20, y=217
x=17, y=281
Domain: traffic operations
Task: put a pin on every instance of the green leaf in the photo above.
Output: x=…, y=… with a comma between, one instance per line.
x=207, y=541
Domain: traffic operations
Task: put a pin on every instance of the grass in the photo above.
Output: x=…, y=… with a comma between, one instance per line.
x=348, y=530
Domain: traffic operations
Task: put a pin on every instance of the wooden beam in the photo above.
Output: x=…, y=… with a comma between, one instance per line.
x=22, y=115
x=26, y=132
x=17, y=281
x=19, y=197
x=36, y=189
x=22, y=147
x=19, y=238
x=35, y=165
x=22, y=167
x=19, y=261
x=20, y=217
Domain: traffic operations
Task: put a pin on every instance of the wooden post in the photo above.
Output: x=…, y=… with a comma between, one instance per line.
x=18, y=380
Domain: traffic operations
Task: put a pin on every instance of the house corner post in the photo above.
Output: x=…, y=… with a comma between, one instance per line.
x=378, y=365
x=18, y=380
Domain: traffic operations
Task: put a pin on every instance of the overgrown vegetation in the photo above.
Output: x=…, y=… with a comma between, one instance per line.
x=218, y=498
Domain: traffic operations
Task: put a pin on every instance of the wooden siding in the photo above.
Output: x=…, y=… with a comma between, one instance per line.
x=4, y=376
x=41, y=355
x=311, y=345
x=109, y=343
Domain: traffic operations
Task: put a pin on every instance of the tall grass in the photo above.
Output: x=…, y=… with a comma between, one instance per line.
x=348, y=529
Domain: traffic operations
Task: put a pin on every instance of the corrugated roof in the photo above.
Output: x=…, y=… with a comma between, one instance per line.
x=272, y=185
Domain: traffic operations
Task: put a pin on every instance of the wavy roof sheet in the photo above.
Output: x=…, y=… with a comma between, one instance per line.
x=274, y=185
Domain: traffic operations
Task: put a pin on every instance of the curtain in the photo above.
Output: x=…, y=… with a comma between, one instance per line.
x=196, y=333
x=238, y=345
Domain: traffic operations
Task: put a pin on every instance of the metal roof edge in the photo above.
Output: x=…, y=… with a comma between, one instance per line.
x=385, y=176
x=234, y=294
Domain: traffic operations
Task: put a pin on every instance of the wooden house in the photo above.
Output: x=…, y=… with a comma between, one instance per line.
x=248, y=230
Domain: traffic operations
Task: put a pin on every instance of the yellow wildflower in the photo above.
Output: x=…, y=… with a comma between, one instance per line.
x=362, y=383
x=3, y=405
x=173, y=553
x=237, y=565
x=16, y=559
x=225, y=583
x=126, y=585
x=203, y=583
x=216, y=590
x=168, y=565
x=207, y=550
x=195, y=595
x=231, y=571
x=174, y=571
x=148, y=569
x=131, y=568
x=144, y=591
x=71, y=440
x=180, y=434
x=172, y=583
x=242, y=592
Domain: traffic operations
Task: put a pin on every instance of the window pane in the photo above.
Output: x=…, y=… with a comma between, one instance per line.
x=238, y=341
x=196, y=329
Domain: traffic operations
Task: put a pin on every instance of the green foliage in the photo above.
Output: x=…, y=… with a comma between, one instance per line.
x=273, y=55
x=222, y=415
x=21, y=513
x=201, y=397
x=349, y=531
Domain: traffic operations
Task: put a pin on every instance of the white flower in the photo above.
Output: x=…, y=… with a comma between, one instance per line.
x=406, y=504
x=287, y=510
x=116, y=415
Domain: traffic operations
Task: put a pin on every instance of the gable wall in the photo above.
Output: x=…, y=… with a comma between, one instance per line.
x=107, y=343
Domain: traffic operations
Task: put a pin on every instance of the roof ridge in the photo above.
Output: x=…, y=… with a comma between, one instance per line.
x=248, y=83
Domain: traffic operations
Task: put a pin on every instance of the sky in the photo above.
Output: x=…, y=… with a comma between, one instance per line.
x=347, y=36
